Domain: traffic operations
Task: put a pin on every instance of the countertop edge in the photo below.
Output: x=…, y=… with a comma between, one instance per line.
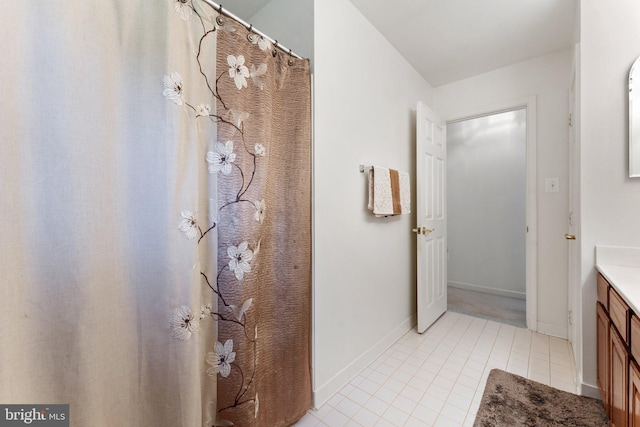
x=626, y=281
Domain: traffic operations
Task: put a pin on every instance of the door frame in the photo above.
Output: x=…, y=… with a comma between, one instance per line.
x=574, y=281
x=531, y=258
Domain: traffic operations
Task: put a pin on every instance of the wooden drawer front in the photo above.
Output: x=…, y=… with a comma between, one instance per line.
x=618, y=310
x=603, y=288
x=635, y=337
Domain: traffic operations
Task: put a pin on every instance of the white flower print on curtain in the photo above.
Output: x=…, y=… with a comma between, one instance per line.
x=188, y=224
x=104, y=129
x=183, y=323
x=173, y=87
x=195, y=110
x=238, y=71
x=246, y=280
x=264, y=256
x=221, y=359
x=221, y=159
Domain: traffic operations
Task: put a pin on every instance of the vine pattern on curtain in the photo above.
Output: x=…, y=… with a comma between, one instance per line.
x=260, y=210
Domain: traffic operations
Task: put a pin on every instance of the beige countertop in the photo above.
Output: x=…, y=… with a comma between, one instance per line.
x=621, y=267
x=626, y=281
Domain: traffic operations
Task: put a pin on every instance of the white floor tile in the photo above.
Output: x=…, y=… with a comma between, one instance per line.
x=425, y=414
x=415, y=422
x=386, y=394
x=438, y=378
x=378, y=377
x=347, y=389
x=414, y=393
x=369, y=386
x=321, y=412
x=335, y=400
x=307, y=421
x=376, y=406
x=383, y=423
x=451, y=411
x=386, y=369
x=395, y=385
x=404, y=404
x=443, y=421
x=433, y=403
x=395, y=416
x=348, y=407
x=335, y=419
x=365, y=417
x=359, y=396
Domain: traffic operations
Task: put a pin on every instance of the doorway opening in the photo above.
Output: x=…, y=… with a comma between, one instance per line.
x=491, y=214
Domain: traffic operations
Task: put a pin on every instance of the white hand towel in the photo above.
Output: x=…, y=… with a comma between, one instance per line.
x=389, y=192
x=380, y=197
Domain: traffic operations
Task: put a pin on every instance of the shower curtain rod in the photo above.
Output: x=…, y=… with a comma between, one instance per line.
x=225, y=12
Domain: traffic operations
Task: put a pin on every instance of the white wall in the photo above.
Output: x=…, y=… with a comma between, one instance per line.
x=365, y=283
x=290, y=22
x=486, y=193
x=548, y=78
x=610, y=201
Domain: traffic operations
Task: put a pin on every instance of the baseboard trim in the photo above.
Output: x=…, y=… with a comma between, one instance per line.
x=323, y=393
x=553, y=330
x=488, y=290
x=590, y=391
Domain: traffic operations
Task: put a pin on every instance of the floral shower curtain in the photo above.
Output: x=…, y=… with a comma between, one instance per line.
x=154, y=216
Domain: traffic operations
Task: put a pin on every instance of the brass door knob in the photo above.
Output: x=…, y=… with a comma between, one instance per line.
x=422, y=230
x=570, y=236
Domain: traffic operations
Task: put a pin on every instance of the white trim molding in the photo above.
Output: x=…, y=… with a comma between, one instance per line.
x=530, y=103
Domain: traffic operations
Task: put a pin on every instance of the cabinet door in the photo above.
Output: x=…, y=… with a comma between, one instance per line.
x=619, y=314
x=603, y=291
x=603, y=355
x=634, y=395
x=619, y=392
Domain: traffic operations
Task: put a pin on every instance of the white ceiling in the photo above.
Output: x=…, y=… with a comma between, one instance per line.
x=449, y=40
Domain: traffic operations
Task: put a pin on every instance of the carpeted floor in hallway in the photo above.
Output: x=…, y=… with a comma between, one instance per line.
x=502, y=309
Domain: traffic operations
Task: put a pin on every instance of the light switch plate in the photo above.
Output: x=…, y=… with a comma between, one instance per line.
x=552, y=185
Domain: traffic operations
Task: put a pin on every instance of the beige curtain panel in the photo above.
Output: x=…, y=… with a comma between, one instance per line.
x=264, y=251
x=155, y=216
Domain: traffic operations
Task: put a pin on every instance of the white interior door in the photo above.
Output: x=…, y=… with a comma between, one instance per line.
x=431, y=229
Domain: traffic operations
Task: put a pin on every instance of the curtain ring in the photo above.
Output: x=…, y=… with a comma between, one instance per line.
x=290, y=61
x=250, y=35
x=275, y=48
x=219, y=19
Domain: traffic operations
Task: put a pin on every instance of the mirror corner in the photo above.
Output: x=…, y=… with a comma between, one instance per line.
x=634, y=120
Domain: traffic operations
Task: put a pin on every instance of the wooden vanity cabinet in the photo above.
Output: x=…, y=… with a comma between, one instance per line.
x=634, y=374
x=619, y=380
x=603, y=355
x=634, y=395
x=620, y=390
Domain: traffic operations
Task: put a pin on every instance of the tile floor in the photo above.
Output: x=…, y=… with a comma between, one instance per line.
x=437, y=378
